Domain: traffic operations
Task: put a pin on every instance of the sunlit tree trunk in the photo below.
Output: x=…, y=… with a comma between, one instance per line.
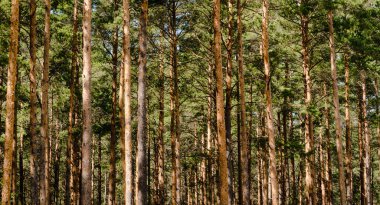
x=10, y=104
x=125, y=103
x=338, y=128
x=268, y=99
x=221, y=128
x=366, y=139
x=86, y=179
x=141, y=159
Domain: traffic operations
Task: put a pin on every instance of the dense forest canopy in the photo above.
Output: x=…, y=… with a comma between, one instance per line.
x=190, y=102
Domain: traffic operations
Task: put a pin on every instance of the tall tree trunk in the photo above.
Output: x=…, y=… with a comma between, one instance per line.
x=10, y=104
x=21, y=171
x=327, y=165
x=349, y=175
x=160, y=155
x=57, y=160
x=99, y=166
x=243, y=131
x=71, y=196
x=363, y=199
x=87, y=131
x=376, y=86
x=285, y=113
x=112, y=169
x=268, y=98
x=221, y=126
x=228, y=101
x=309, y=138
x=141, y=162
x=33, y=103
x=174, y=106
x=45, y=172
x=338, y=128
x=366, y=139
x=125, y=103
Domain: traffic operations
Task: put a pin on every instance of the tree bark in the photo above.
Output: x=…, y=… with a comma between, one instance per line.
x=221, y=129
x=268, y=99
x=99, y=166
x=71, y=196
x=366, y=139
x=349, y=174
x=174, y=107
x=243, y=131
x=338, y=128
x=87, y=131
x=309, y=138
x=363, y=199
x=10, y=104
x=125, y=103
x=228, y=101
x=45, y=162
x=160, y=155
x=141, y=162
x=112, y=169
x=33, y=103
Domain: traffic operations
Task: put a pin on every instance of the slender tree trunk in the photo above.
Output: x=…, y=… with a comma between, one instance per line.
x=309, y=138
x=141, y=162
x=228, y=101
x=243, y=131
x=33, y=103
x=221, y=126
x=349, y=175
x=376, y=86
x=10, y=104
x=14, y=197
x=328, y=168
x=45, y=162
x=338, y=128
x=99, y=166
x=268, y=97
x=21, y=171
x=112, y=169
x=160, y=155
x=366, y=139
x=285, y=113
x=71, y=169
x=264, y=161
x=87, y=131
x=57, y=160
x=125, y=103
x=322, y=170
x=174, y=106
x=363, y=199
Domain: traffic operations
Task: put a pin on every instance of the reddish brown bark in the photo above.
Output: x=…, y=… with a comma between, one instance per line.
x=10, y=105
x=269, y=112
x=221, y=129
x=45, y=162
